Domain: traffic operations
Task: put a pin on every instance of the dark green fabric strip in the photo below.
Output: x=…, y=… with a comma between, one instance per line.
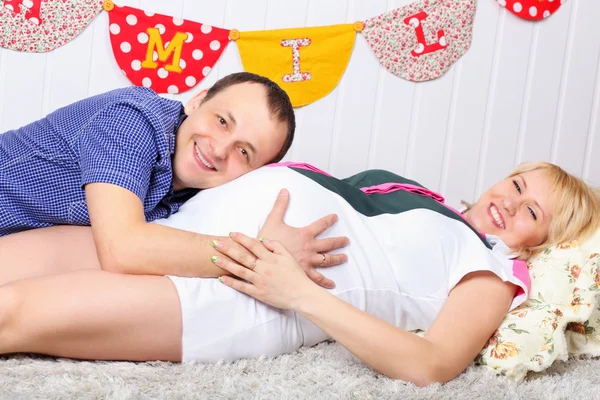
x=377, y=204
x=375, y=177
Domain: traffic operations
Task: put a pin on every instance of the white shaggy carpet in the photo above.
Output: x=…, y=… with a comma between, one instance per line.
x=326, y=371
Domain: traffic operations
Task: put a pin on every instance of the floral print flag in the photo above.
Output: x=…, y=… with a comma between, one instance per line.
x=37, y=26
x=422, y=40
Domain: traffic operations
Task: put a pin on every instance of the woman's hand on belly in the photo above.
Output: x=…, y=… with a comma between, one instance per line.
x=302, y=243
x=274, y=277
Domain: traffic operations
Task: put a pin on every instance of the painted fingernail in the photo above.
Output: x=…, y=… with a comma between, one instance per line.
x=216, y=244
x=216, y=260
x=221, y=279
x=232, y=235
x=263, y=240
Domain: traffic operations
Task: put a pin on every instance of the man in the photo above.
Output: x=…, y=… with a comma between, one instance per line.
x=125, y=158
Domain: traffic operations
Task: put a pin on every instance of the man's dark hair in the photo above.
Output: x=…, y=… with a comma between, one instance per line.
x=279, y=103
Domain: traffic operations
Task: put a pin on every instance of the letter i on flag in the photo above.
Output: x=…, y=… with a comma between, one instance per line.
x=166, y=54
x=307, y=63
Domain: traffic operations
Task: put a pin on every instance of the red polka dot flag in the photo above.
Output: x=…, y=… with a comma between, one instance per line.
x=166, y=54
x=532, y=9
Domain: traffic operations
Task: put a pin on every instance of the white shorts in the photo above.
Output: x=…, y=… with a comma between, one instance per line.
x=220, y=323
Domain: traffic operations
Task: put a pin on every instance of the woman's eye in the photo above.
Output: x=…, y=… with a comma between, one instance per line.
x=222, y=121
x=517, y=186
x=532, y=213
x=244, y=152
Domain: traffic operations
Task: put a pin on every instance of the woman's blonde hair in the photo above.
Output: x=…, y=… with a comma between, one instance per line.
x=575, y=210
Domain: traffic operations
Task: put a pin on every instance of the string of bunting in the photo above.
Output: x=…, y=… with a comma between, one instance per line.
x=417, y=42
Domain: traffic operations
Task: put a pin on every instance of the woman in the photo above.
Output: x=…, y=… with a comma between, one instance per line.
x=411, y=266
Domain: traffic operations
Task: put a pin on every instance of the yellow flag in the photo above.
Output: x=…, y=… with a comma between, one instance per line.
x=307, y=63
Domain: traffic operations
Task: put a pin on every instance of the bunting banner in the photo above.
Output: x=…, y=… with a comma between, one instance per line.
x=534, y=10
x=422, y=40
x=38, y=26
x=416, y=42
x=166, y=54
x=307, y=63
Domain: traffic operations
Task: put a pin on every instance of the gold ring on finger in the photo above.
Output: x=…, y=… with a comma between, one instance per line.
x=322, y=261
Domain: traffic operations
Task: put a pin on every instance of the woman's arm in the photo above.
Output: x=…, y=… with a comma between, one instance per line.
x=469, y=317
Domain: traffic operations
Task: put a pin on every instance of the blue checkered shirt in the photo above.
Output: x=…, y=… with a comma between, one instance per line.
x=124, y=137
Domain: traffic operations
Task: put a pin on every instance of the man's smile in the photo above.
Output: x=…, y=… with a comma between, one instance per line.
x=202, y=160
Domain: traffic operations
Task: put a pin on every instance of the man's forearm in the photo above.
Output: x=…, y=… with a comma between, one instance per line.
x=150, y=249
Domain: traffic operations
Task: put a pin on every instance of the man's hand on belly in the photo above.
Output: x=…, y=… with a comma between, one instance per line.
x=302, y=243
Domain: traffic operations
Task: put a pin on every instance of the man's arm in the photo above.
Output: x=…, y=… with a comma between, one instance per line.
x=126, y=243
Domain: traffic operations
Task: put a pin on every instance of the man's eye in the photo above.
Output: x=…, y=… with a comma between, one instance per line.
x=517, y=186
x=532, y=213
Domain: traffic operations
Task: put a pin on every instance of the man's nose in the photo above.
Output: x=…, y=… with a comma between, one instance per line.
x=222, y=147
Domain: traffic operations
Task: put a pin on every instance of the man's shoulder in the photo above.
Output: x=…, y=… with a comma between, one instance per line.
x=130, y=104
x=132, y=94
x=140, y=97
x=138, y=116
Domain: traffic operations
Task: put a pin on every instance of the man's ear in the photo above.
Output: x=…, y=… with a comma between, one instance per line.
x=195, y=101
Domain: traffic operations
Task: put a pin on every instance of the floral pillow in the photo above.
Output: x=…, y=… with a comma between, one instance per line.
x=584, y=338
x=564, y=296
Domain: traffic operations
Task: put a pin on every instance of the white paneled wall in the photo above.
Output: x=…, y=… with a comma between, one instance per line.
x=524, y=91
